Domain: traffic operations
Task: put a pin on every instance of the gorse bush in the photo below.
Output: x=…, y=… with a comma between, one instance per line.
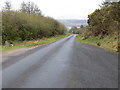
x=105, y=21
x=27, y=24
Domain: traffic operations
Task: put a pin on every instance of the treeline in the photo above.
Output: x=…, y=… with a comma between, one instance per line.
x=28, y=23
x=105, y=21
x=76, y=30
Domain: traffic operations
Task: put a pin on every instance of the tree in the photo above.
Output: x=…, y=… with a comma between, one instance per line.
x=73, y=29
x=30, y=8
x=23, y=7
x=81, y=26
x=17, y=26
x=105, y=20
x=8, y=6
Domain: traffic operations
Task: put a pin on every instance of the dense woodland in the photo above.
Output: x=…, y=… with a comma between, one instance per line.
x=27, y=23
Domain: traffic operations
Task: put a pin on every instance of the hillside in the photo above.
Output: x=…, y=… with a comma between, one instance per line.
x=103, y=27
x=73, y=22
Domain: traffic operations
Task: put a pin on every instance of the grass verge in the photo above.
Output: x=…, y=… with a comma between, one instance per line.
x=34, y=42
x=107, y=42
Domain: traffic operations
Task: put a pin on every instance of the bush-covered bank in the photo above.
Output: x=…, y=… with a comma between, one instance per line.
x=35, y=42
x=103, y=27
x=108, y=42
x=28, y=23
x=105, y=21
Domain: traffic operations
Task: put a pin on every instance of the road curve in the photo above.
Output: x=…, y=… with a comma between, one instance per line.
x=63, y=64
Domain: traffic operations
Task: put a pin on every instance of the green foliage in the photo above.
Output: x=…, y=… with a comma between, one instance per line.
x=35, y=42
x=76, y=30
x=81, y=26
x=73, y=29
x=109, y=42
x=103, y=27
x=22, y=26
x=106, y=20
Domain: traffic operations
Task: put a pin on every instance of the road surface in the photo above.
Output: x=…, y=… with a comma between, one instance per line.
x=62, y=64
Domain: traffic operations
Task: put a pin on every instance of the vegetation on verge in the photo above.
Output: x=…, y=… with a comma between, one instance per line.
x=27, y=23
x=108, y=42
x=103, y=27
x=35, y=42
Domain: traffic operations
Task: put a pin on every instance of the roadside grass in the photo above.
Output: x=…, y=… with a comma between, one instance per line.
x=107, y=42
x=34, y=42
x=90, y=40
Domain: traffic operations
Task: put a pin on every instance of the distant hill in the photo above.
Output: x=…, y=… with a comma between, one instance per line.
x=73, y=22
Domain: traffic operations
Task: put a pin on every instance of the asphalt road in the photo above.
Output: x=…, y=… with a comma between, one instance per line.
x=62, y=64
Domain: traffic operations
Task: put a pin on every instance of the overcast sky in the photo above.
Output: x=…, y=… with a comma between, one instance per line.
x=62, y=9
